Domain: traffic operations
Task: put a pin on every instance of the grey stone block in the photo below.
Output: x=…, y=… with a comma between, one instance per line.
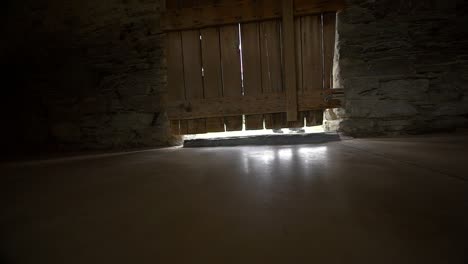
x=131, y=120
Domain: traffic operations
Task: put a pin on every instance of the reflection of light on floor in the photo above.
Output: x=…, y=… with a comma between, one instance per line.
x=246, y=133
x=264, y=156
x=313, y=154
x=285, y=154
x=312, y=151
x=266, y=162
x=267, y=157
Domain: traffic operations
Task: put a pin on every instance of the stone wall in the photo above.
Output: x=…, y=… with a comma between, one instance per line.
x=91, y=74
x=404, y=66
x=83, y=74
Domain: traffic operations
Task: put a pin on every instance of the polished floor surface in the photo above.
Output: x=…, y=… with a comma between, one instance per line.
x=401, y=200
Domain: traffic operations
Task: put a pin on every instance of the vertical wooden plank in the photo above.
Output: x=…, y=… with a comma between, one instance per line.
x=298, y=50
x=289, y=59
x=212, y=74
x=312, y=53
x=272, y=81
x=298, y=123
x=175, y=73
x=299, y=69
x=230, y=61
x=193, y=75
x=276, y=121
x=312, y=62
x=329, y=22
x=252, y=69
x=192, y=64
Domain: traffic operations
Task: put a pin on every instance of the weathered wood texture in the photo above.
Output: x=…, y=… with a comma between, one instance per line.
x=252, y=68
x=249, y=105
x=312, y=67
x=289, y=60
x=189, y=15
x=298, y=69
x=212, y=73
x=209, y=91
x=272, y=74
x=312, y=59
x=230, y=62
x=222, y=14
x=193, y=75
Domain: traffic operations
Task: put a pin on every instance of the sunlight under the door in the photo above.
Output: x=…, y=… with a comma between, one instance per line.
x=246, y=133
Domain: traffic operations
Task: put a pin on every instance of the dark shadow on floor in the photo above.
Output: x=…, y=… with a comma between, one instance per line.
x=294, y=139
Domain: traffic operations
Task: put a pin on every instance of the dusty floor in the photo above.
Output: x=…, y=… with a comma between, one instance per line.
x=401, y=200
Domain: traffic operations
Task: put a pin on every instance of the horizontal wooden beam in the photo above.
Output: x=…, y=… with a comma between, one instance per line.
x=241, y=11
x=309, y=7
x=247, y=105
x=199, y=17
x=333, y=91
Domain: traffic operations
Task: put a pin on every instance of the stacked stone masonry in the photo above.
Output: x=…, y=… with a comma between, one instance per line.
x=85, y=74
x=404, y=66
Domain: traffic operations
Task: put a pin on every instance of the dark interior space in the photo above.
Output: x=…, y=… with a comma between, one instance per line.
x=98, y=97
x=82, y=75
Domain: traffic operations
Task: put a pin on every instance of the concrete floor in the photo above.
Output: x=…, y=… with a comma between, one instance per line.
x=402, y=200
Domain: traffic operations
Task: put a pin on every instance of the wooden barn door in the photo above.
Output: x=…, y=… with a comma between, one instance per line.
x=271, y=63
